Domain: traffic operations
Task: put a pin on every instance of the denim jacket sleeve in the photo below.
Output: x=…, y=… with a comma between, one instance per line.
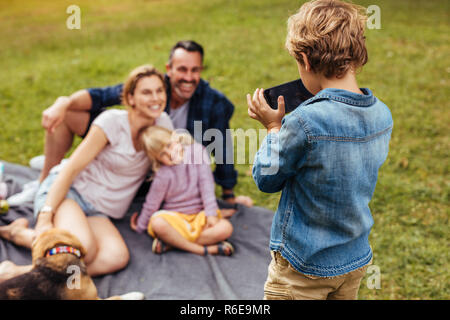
x=280, y=156
x=105, y=97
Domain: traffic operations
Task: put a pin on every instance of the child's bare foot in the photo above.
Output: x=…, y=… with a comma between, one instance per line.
x=227, y=213
x=7, y=232
x=244, y=200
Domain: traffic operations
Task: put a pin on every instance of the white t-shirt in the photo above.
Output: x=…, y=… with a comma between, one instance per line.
x=179, y=116
x=111, y=180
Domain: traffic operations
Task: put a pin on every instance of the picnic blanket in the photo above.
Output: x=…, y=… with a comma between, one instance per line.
x=174, y=275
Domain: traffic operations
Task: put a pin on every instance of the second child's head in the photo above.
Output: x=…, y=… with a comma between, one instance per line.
x=164, y=146
x=326, y=38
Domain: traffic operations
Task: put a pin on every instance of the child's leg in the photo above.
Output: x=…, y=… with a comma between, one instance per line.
x=349, y=289
x=208, y=237
x=221, y=231
x=284, y=283
x=166, y=233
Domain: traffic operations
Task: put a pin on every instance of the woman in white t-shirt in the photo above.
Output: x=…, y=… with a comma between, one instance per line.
x=101, y=177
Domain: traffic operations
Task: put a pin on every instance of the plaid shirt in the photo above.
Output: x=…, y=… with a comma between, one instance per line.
x=206, y=105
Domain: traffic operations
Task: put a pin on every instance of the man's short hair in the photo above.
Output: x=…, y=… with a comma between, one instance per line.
x=331, y=34
x=188, y=45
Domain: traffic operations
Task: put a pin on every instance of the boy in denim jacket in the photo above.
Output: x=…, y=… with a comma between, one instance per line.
x=324, y=157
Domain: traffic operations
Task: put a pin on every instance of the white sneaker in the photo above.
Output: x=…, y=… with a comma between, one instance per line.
x=27, y=195
x=133, y=296
x=37, y=162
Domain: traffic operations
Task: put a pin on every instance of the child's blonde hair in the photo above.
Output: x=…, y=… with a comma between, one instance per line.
x=155, y=139
x=331, y=35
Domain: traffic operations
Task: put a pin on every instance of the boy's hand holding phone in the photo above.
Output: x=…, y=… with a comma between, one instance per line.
x=258, y=109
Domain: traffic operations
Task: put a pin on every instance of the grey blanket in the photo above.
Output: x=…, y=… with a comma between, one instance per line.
x=175, y=275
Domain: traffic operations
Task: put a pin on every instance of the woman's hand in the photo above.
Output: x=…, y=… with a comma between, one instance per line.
x=258, y=109
x=133, y=221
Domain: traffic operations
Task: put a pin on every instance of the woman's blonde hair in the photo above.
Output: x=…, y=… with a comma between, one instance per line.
x=134, y=77
x=331, y=35
x=155, y=139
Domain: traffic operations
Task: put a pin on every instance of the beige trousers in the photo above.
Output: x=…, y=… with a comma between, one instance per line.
x=286, y=283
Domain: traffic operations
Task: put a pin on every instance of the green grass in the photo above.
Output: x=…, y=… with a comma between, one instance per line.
x=409, y=69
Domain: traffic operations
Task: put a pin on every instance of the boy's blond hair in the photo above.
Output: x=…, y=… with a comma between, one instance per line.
x=133, y=78
x=331, y=34
x=155, y=139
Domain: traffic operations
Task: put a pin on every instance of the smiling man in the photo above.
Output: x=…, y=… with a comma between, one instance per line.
x=183, y=70
x=189, y=99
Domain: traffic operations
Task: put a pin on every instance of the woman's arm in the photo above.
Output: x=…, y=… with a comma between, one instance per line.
x=88, y=149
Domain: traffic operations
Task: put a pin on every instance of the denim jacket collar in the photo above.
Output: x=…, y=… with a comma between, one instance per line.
x=345, y=96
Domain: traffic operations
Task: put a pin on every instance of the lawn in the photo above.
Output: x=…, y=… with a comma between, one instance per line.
x=408, y=69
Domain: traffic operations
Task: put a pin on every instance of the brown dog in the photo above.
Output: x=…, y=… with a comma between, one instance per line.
x=58, y=273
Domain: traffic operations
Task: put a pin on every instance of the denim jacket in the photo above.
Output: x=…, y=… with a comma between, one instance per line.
x=325, y=160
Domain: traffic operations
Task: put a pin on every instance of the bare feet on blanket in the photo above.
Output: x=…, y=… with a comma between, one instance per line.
x=244, y=200
x=9, y=231
x=10, y=270
x=227, y=213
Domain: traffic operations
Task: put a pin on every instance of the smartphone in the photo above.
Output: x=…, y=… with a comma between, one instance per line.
x=294, y=93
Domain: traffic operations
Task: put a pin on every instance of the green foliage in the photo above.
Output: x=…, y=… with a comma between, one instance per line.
x=40, y=59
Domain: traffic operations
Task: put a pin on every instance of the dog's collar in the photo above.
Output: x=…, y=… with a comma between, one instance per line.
x=63, y=249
